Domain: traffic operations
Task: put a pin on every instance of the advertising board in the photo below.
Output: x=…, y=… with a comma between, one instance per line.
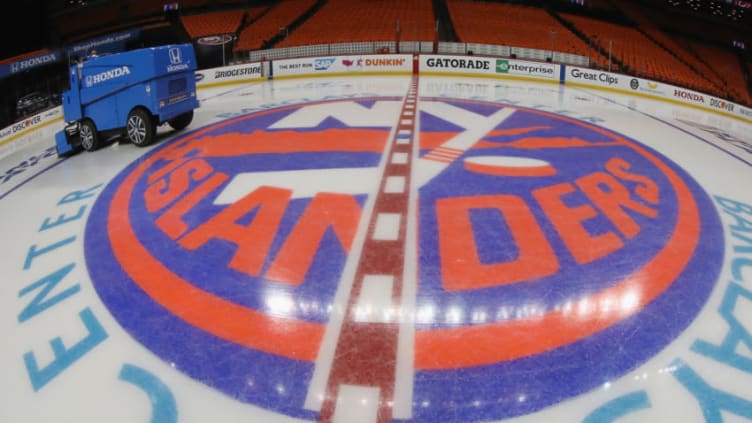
x=502, y=67
x=228, y=74
x=380, y=63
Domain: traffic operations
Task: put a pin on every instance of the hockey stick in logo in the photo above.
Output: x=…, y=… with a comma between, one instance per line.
x=438, y=159
x=303, y=183
x=306, y=183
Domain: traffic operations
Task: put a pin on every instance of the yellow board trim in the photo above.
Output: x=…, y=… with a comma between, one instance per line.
x=492, y=76
x=664, y=99
x=26, y=131
x=339, y=74
x=231, y=82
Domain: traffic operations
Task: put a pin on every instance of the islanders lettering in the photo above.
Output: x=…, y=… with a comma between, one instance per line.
x=236, y=237
x=609, y=195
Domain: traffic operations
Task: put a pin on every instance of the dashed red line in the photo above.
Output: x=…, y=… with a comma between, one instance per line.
x=365, y=357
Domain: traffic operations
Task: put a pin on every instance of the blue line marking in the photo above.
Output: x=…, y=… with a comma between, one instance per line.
x=223, y=93
x=34, y=176
x=618, y=407
x=163, y=406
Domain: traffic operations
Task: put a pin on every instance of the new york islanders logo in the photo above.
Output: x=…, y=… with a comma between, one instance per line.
x=537, y=245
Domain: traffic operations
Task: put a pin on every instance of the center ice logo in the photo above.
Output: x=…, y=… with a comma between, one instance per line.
x=545, y=246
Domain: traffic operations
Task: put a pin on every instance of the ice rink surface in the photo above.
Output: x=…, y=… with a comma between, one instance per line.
x=362, y=249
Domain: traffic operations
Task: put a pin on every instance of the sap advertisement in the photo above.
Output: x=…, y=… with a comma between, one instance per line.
x=379, y=63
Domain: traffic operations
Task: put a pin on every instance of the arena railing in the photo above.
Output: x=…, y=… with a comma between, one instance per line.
x=427, y=47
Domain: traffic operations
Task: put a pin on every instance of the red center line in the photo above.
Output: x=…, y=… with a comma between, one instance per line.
x=366, y=350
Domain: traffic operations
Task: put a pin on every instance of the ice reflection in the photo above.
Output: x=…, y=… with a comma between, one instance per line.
x=607, y=306
x=279, y=303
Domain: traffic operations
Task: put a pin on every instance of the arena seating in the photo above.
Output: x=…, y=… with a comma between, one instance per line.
x=213, y=23
x=646, y=24
x=637, y=54
x=729, y=67
x=281, y=15
x=367, y=20
x=655, y=46
x=685, y=55
x=519, y=26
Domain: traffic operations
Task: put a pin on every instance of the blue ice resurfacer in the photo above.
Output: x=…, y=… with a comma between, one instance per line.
x=130, y=94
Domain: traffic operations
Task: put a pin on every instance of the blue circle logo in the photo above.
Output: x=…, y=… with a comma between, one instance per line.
x=538, y=247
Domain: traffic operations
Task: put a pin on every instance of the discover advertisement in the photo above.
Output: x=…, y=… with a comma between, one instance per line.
x=630, y=85
x=26, y=131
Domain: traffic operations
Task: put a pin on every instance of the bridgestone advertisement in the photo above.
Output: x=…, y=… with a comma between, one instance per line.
x=228, y=74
